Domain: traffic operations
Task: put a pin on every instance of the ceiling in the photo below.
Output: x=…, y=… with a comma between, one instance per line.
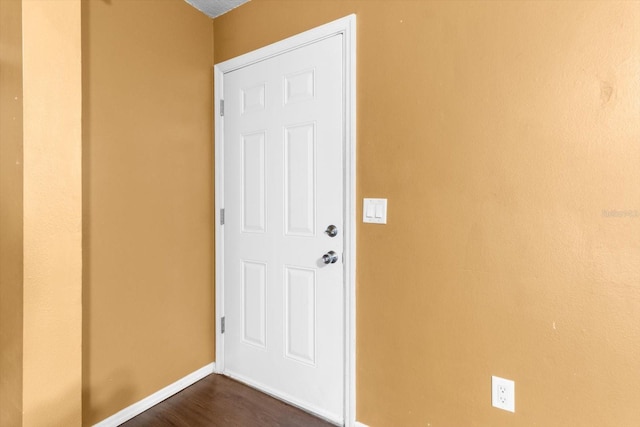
x=213, y=8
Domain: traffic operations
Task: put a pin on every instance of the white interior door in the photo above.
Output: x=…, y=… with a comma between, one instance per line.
x=283, y=188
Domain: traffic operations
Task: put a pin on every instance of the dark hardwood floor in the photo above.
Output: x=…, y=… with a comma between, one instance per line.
x=220, y=401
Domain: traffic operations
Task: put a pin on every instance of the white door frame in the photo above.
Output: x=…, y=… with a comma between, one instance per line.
x=347, y=27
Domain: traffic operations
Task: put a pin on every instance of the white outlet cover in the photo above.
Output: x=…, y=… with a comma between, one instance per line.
x=503, y=394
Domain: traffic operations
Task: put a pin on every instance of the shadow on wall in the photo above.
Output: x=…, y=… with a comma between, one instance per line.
x=117, y=385
x=121, y=390
x=55, y=416
x=87, y=400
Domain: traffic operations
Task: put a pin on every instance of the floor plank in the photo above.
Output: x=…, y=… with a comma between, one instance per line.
x=220, y=401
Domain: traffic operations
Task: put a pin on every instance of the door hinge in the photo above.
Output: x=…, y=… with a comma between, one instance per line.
x=222, y=107
x=222, y=216
x=222, y=325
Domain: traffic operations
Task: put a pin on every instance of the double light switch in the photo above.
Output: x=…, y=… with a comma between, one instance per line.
x=375, y=211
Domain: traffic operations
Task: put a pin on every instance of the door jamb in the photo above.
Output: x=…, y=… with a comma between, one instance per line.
x=347, y=27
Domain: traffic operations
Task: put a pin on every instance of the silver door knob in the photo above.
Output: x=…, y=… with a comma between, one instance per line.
x=332, y=231
x=330, y=257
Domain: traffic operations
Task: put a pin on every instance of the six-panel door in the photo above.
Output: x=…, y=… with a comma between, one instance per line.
x=283, y=187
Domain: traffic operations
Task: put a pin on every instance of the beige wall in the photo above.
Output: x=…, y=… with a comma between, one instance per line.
x=52, y=310
x=503, y=135
x=10, y=213
x=148, y=199
x=40, y=220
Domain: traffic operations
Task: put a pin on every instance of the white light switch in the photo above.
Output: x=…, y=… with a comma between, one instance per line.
x=370, y=211
x=375, y=211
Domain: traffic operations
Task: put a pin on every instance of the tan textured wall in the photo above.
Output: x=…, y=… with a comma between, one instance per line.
x=506, y=136
x=52, y=357
x=148, y=192
x=10, y=213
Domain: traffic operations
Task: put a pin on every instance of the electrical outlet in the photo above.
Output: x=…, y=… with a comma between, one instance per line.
x=503, y=394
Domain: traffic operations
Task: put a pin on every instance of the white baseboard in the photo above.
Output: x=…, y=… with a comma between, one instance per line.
x=139, y=407
x=305, y=406
x=359, y=424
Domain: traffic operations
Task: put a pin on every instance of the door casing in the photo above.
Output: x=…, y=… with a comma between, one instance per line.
x=347, y=28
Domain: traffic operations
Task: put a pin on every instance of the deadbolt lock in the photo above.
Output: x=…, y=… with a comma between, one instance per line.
x=332, y=231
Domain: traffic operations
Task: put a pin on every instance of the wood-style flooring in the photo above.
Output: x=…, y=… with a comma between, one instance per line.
x=220, y=401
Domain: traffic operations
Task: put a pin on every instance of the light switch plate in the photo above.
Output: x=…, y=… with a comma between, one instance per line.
x=374, y=211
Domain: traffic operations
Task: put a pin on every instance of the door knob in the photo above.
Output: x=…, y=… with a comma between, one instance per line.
x=332, y=231
x=330, y=257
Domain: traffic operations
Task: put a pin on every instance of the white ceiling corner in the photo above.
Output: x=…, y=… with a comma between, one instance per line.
x=214, y=8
